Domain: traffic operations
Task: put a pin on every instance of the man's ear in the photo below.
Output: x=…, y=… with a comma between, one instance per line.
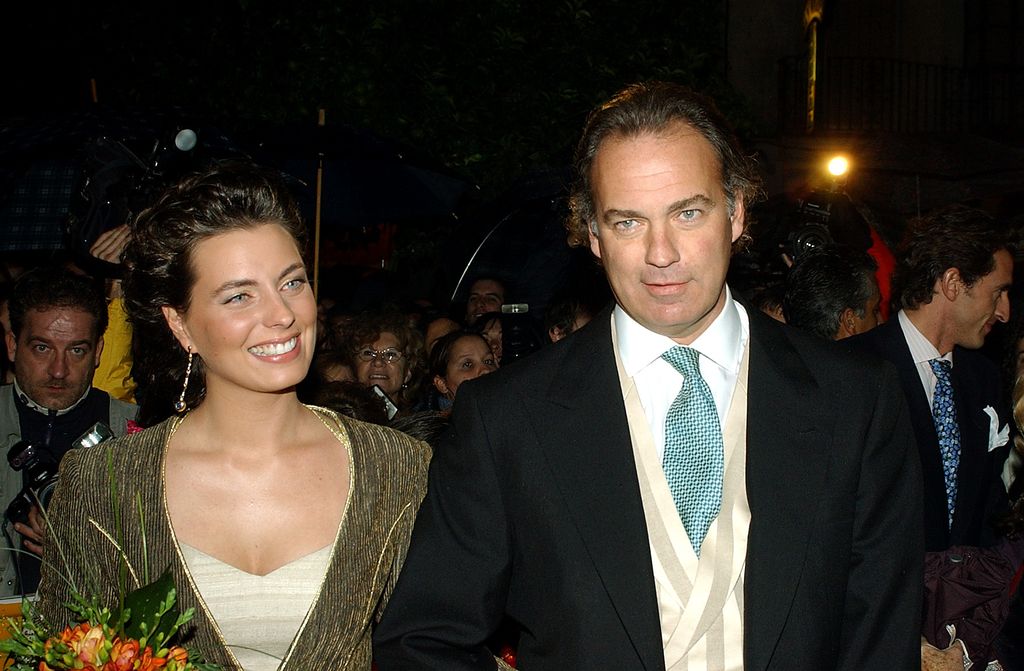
x=12, y=345
x=176, y=322
x=739, y=214
x=847, y=324
x=98, y=352
x=595, y=243
x=950, y=284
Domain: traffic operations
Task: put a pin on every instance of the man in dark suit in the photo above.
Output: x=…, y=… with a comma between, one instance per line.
x=951, y=283
x=782, y=535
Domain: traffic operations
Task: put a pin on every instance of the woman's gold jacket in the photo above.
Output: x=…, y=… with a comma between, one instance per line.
x=388, y=472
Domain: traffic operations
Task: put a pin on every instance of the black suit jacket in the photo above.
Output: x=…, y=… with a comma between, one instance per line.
x=534, y=511
x=980, y=492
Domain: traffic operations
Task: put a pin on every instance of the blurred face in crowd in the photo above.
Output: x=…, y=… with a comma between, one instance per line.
x=337, y=372
x=252, y=318
x=492, y=334
x=469, y=358
x=1020, y=357
x=978, y=307
x=382, y=363
x=485, y=295
x=851, y=323
x=663, y=231
x=436, y=329
x=55, y=355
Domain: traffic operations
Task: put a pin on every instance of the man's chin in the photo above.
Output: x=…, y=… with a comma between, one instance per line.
x=57, y=403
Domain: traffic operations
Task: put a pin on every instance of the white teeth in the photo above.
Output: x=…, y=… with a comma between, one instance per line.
x=275, y=349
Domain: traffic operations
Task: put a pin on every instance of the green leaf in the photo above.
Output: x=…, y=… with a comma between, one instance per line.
x=151, y=609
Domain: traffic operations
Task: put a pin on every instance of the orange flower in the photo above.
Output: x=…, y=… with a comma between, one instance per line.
x=90, y=647
x=85, y=642
x=177, y=658
x=150, y=663
x=122, y=655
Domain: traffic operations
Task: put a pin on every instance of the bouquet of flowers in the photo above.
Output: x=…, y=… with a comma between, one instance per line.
x=135, y=637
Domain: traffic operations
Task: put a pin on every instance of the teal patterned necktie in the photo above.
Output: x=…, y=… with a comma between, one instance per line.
x=947, y=428
x=694, y=459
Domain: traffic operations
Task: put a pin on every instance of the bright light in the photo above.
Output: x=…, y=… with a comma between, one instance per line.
x=838, y=166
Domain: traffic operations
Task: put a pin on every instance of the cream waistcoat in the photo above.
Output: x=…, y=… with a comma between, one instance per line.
x=700, y=600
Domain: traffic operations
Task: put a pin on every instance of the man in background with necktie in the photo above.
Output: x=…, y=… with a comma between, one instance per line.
x=683, y=483
x=951, y=286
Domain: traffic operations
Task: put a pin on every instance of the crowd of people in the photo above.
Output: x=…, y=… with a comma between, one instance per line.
x=672, y=481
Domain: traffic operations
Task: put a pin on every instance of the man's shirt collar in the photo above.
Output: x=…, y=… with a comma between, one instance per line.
x=721, y=342
x=46, y=411
x=921, y=349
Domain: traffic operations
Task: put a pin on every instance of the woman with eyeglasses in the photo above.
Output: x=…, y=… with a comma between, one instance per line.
x=385, y=351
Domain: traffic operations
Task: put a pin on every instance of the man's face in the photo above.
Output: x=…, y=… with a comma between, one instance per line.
x=977, y=308
x=664, y=233
x=872, y=313
x=484, y=296
x=55, y=355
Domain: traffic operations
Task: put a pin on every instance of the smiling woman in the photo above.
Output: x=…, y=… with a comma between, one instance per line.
x=385, y=351
x=271, y=515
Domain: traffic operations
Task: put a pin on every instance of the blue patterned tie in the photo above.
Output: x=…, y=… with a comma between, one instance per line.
x=694, y=459
x=944, y=414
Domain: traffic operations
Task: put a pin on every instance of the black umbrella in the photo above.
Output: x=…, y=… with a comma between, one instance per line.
x=45, y=163
x=367, y=180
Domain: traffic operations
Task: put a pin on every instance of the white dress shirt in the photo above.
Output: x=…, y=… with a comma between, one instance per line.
x=922, y=351
x=720, y=346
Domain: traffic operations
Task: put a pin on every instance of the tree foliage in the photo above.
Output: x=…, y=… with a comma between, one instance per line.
x=492, y=89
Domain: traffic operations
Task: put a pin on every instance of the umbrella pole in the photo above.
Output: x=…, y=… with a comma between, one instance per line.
x=321, y=121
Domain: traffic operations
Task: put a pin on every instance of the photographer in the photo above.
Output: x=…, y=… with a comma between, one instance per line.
x=57, y=322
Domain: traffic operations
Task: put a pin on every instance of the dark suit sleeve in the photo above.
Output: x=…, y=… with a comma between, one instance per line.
x=881, y=622
x=451, y=593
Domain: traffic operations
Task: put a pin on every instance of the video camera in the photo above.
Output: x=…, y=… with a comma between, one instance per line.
x=824, y=219
x=41, y=470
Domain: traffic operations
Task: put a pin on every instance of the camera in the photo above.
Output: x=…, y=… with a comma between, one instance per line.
x=40, y=476
x=824, y=220
x=40, y=471
x=812, y=231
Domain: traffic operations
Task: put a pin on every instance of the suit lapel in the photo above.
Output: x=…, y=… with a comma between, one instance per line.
x=972, y=479
x=788, y=430
x=893, y=346
x=591, y=459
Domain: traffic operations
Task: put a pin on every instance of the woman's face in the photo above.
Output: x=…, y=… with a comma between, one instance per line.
x=252, y=318
x=375, y=370
x=492, y=334
x=469, y=358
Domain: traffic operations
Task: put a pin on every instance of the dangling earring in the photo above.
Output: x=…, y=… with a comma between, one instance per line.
x=180, y=406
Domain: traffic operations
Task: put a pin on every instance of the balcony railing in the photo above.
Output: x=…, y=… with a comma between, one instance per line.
x=857, y=94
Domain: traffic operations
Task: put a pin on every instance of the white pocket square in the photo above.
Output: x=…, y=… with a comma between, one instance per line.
x=996, y=437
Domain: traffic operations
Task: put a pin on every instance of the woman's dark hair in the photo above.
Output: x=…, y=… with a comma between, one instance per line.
x=366, y=329
x=520, y=334
x=428, y=426
x=228, y=196
x=351, y=399
x=441, y=354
